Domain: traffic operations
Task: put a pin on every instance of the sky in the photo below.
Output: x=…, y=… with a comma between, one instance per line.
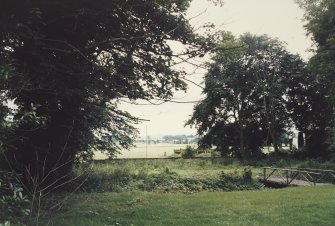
x=277, y=18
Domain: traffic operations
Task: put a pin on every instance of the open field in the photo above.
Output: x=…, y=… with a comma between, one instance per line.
x=203, y=167
x=159, y=150
x=290, y=206
x=142, y=150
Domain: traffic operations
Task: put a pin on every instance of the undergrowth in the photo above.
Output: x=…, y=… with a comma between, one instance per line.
x=14, y=204
x=183, y=175
x=108, y=179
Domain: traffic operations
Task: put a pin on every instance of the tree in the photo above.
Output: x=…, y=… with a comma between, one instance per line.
x=4, y=73
x=320, y=24
x=246, y=95
x=274, y=68
x=308, y=107
x=75, y=61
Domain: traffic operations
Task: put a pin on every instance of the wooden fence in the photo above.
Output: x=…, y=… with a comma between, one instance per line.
x=288, y=176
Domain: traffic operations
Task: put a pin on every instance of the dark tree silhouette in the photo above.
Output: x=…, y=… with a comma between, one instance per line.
x=74, y=62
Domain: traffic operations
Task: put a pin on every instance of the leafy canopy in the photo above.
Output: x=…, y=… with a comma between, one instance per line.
x=74, y=62
x=246, y=95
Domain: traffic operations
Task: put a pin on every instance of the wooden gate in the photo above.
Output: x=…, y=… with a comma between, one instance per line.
x=297, y=176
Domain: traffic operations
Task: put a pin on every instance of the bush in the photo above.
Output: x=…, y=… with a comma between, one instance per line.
x=161, y=177
x=103, y=179
x=247, y=175
x=234, y=182
x=6, y=223
x=164, y=181
x=172, y=182
x=14, y=205
x=188, y=152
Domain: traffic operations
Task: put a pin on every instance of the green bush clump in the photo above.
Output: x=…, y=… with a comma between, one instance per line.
x=316, y=164
x=118, y=178
x=14, y=205
x=172, y=182
x=188, y=152
x=106, y=180
x=247, y=175
x=162, y=181
x=235, y=182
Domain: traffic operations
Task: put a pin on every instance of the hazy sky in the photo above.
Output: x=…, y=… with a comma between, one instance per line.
x=276, y=18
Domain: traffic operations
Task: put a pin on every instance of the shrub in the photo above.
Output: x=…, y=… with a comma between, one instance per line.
x=6, y=223
x=14, y=205
x=188, y=152
x=128, y=177
x=142, y=174
x=104, y=179
x=161, y=181
x=235, y=182
x=247, y=175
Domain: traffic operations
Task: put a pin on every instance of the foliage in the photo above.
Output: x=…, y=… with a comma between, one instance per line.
x=75, y=61
x=116, y=180
x=181, y=175
x=188, y=152
x=235, y=182
x=6, y=223
x=172, y=182
x=14, y=205
x=160, y=177
x=6, y=71
x=246, y=95
x=319, y=18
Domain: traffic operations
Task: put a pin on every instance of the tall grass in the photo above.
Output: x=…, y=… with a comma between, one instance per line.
x=185, y=175
x=162, y=175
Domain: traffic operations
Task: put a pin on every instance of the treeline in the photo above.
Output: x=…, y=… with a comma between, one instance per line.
x=256, y=92
x=180, y=139
x=172, y=139
x=66, y=65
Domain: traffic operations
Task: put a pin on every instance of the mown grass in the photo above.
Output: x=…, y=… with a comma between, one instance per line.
x=167, y=205
x=290, y=206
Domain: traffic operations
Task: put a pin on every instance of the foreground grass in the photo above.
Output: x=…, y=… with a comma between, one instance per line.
x=290, y=206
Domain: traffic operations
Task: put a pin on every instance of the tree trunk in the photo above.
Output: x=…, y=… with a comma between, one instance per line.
x=301, y=141
x=45, y=155
x=274, y=138
x=242, y=143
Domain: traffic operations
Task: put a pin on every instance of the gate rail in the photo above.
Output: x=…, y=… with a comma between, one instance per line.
x=312, y=176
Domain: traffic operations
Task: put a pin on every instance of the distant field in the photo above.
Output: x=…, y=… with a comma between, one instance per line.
x=290, y=206
x=141, y=150
x=160, y=150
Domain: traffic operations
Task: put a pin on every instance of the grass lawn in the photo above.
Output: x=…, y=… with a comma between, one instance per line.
x=290, y=206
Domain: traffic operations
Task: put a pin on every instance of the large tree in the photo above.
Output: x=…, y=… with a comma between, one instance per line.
x=74, y=61
x=246, y=95
x=320, y=24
